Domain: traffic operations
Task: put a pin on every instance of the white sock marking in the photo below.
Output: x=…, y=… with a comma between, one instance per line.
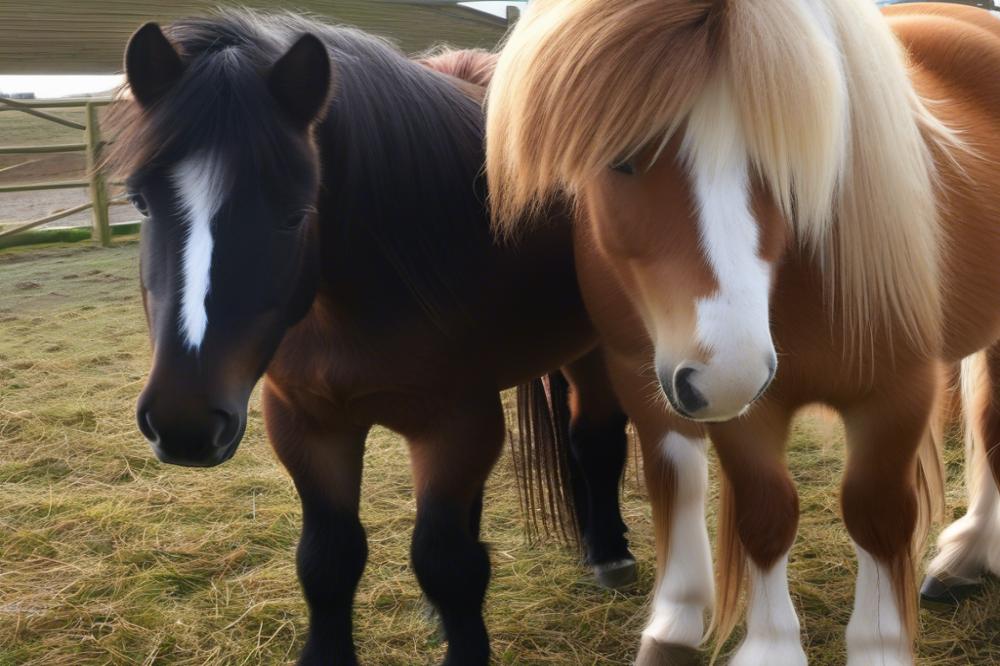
x=198, y=183
x=772, y=625
x=875, y=634
x=970, y=546
x=686, y=588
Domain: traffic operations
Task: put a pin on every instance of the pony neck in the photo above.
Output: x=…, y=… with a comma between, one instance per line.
x=403, y=200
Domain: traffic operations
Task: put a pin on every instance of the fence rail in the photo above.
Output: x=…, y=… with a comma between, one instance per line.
x=97, y=186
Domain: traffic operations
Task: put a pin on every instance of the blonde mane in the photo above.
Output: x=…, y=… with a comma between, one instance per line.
x=830, y=119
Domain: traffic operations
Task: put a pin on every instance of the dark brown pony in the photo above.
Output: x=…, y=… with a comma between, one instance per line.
x=316, y=211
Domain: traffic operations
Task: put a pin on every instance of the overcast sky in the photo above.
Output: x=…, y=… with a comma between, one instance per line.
x=57, y=86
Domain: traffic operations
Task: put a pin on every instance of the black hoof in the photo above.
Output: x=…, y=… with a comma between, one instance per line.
x=946, y=593
x=652, y=653
x=616, y=575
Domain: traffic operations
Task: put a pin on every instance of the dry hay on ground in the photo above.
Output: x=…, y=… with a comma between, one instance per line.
x=107, y=556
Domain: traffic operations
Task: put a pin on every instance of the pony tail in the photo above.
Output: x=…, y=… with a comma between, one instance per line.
x=975, y=387
x=542, y=459
x=930, y=495
x=731, y=571
x=930, y=490
x=930, y=467
x=902, y=571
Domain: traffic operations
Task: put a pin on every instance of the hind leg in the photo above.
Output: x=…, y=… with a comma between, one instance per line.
x=325, y=461
x=970, y=547
x=880, y=508
x=599, y=447
x=450, y=467
x=756, y=532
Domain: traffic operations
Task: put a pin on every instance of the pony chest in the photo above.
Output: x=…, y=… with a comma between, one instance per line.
x=379, y=377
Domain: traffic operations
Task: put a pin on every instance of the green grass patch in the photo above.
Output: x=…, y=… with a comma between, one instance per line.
x=21, y=129
x=63, y=235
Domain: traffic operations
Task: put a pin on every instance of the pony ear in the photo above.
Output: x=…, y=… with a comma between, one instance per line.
x=152, y=64
x=300, y=80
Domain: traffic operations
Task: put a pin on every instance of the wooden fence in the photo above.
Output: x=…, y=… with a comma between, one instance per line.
x=415, y=23
x=92, y=144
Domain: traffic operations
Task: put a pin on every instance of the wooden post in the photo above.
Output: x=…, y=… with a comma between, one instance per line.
x=513, y=14
x=98, y=188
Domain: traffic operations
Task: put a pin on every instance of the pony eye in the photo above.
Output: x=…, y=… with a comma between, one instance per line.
x=293, y=222
x=626, y=167
x=139, y=203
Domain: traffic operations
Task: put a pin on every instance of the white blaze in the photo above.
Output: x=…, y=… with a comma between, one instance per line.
x=733, y=325
x=198, y=183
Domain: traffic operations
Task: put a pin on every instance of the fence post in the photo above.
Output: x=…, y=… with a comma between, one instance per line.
x=513, y=14
x=98, y=188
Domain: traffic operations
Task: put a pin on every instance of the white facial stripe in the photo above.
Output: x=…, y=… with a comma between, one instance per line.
x=772, y=625
x=719, y=165
x=733, y=325
x=875, y=634
x=198, y=183
x=686, y=588
x=729, y=236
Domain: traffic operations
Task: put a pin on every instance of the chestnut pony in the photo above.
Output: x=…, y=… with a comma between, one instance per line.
x=316, y=209
x=803, y=181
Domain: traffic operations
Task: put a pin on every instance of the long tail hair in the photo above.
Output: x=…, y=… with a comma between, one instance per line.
x=930, y=487
x=542, y=459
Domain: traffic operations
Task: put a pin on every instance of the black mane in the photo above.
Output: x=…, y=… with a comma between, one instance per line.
x=401, y=145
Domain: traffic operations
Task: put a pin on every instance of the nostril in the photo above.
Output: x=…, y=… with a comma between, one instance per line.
x=687, y=395
x=145, y=421
x=228, y=427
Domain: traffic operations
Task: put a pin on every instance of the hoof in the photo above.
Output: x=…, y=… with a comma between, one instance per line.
x=652, y=653
x=946, y=593
x=430, y=615
x=616, y=575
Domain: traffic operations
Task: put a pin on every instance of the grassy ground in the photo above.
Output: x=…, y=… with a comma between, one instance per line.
x=23, y=130
x=106, y=556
